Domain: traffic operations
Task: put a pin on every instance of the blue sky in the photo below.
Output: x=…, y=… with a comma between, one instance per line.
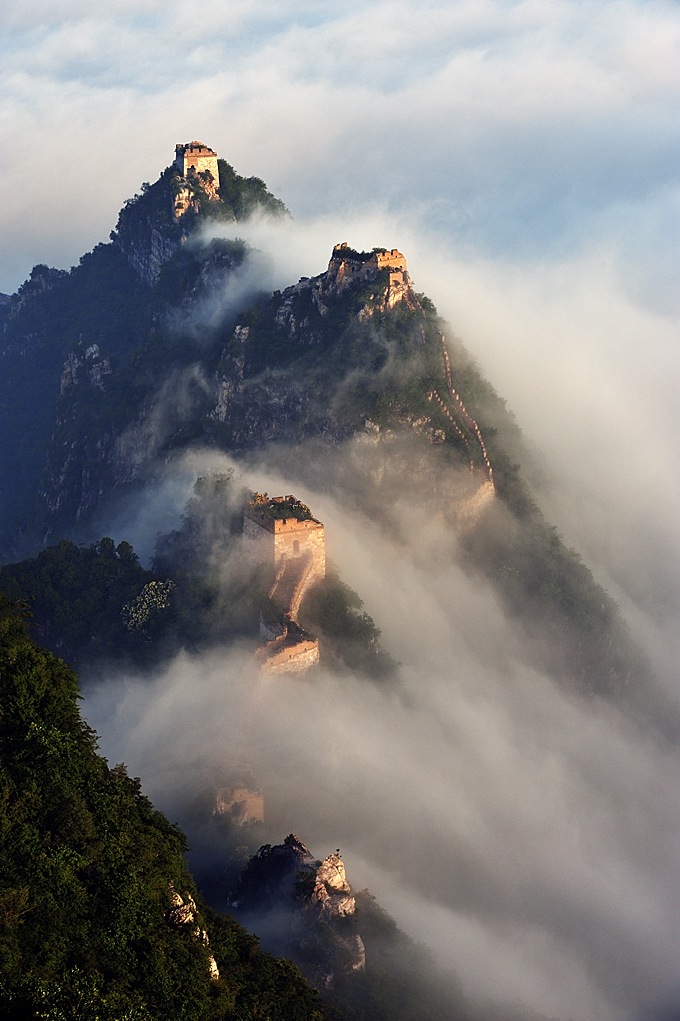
x=527, y=128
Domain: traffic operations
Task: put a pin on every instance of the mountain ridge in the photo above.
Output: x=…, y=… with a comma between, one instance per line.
x=347, y=368
x=347, y=382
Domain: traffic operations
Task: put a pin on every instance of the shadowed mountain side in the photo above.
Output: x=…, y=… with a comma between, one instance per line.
x=92, y=919
x=344, y=942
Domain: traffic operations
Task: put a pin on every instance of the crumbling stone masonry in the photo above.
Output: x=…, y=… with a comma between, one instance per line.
x=280, y=532
x=195, y=157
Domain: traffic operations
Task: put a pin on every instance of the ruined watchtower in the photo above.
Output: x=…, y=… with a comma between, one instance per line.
x=281, y=532
x=347, y=267
x=195, y=158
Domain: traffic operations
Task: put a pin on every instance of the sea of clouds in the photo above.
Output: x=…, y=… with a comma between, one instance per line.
x=527, y=835
x=523, y=155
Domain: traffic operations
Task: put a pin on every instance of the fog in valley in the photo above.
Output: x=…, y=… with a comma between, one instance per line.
x=526, y=833
x=523, y=156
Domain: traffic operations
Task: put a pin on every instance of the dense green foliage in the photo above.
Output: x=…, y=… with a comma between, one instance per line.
x=96, y=602
x=243, y=196
x=348, y=636
x=78, y=595
x=86, y=867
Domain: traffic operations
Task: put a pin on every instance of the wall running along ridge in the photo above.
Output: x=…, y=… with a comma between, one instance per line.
x=458, y=416
x=297, y=551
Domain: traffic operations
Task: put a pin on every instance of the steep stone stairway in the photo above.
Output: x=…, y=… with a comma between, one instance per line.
x=291, y=583
x=464, y=424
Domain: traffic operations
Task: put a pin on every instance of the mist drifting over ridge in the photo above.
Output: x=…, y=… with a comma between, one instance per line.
x=528, y=835
x=533, y=826
x=520, y=830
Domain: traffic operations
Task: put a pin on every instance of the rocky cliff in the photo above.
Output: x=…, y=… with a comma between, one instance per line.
x=350, y=350
x=307, y=905
x=349, y=379
x=117, y=298
x=154, y=224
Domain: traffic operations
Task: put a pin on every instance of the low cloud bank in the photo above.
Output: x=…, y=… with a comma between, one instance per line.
x=530, y=837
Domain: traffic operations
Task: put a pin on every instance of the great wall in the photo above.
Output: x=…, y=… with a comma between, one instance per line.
x=347, y=267
x=465, y=426
x=281, y=533
x=195, y=160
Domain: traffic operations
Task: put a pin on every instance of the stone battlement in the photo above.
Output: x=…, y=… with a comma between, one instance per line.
x=270, y=539
x=392, y=260
x=280, y=514
x=277, y=525
x=347, y=267
x=195, y=158
x=295, y=548
x=363, y=264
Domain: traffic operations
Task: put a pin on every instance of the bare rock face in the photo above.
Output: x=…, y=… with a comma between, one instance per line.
x=328, y=893
x=147, y=257
x=88, y=366
x=323, y=920
x=154, y=225
x=183, y=912
x=312, y=904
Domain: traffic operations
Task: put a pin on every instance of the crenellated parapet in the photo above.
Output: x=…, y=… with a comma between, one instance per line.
x=281, y=532
x=196, y=158
x=348, y=266
x=196, y=163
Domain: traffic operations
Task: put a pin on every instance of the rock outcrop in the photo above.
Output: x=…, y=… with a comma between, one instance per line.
x=148, y=254
x=312, y=904
x=88, y=366
x=155, y=224
x=183, y=913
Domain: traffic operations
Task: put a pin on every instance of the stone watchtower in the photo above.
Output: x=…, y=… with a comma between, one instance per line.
x=194, y=158
x=282, y=532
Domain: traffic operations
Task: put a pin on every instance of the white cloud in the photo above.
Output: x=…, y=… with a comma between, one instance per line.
x=513, y=125
x=528, y=836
